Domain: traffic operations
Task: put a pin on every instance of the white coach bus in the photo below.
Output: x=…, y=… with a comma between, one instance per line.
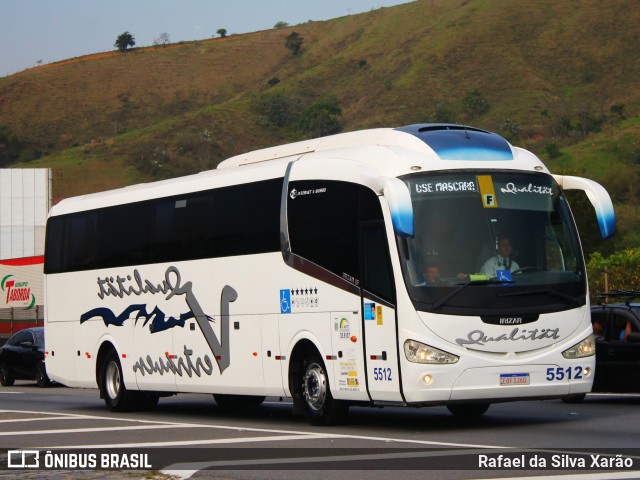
x=296, y=271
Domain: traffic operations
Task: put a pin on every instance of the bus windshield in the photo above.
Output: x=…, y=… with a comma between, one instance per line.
x=489, y=242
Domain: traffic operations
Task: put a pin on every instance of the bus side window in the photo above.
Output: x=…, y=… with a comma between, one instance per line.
x=339, y=226
x=323, y=225
x=376, y=270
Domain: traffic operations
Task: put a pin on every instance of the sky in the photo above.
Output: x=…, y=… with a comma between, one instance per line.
x=35, y=32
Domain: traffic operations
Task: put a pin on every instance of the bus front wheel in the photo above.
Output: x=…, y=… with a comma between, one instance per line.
x=320, y=408
x=112, y=387
x=468, y=409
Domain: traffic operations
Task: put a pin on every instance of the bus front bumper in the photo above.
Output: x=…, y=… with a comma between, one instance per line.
x=504, y=383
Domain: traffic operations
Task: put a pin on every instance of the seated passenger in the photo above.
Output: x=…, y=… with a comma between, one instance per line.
x=431, y=274
x=598, y=327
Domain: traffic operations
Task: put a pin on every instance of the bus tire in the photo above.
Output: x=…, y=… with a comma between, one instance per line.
x=575, y=398
x=237, y=401
x=6, y=379
x=112, y=387
x=148, y=401
x=468, y=409
x=320, y=408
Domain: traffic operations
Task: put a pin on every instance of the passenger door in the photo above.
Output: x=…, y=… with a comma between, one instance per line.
x=379, y=313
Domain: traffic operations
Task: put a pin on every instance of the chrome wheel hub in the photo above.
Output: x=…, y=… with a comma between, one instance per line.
x=314, y=386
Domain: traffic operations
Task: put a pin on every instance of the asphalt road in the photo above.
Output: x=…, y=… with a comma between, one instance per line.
x=189, y=436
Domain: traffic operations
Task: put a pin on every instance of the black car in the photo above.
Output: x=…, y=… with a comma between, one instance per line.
x=616, y=327
x=22, y=358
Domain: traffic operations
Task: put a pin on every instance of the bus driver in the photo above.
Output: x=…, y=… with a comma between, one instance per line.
x=501, y=261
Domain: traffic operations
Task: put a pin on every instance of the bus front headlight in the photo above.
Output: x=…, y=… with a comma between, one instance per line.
x=586, y=348
x=417, y=352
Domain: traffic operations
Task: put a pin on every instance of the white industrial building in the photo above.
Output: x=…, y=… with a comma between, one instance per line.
x=25, y=200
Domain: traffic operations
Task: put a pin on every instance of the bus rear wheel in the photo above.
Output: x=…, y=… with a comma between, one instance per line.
x=320, y=408
x=112, y=387
x=468, y=409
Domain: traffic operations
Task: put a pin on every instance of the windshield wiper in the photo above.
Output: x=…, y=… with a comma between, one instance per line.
x=473, y=280
x=551, y=293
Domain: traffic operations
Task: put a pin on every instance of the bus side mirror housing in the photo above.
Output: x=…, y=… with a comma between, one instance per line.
x=598, y=197
x=400, y=206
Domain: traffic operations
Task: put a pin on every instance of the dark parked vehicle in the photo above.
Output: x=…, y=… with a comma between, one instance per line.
x=616, y=327
x=617, y=330
x=22, y=358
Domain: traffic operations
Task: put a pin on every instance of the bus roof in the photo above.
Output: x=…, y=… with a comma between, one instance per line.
x=389, y=152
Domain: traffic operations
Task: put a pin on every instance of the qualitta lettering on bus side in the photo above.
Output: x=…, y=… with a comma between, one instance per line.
x=171, y=285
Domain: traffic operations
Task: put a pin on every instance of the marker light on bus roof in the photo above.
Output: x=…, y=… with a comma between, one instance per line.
x=417, y=352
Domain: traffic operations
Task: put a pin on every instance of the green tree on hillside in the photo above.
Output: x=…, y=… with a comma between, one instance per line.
x=222, y=32
x=475, y=104
x=10, y=146
x=124, y=41
x=323, y=118
x=278, y=109
x=294, y=43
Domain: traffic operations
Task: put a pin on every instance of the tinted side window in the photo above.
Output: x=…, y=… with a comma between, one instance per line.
x=376, y=270
x=20, y=337
x=54, y=244
x=323, y=225
x=246, y=219
x=339, y=226
x=236, y=220
x=122, y=236
x=181, y=228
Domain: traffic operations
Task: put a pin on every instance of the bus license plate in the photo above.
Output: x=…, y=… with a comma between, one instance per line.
x=507, y=379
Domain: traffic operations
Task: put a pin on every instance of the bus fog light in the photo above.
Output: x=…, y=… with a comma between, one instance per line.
x=417, y=352
x=427, y=379
x=586, y=371
x=586, y=348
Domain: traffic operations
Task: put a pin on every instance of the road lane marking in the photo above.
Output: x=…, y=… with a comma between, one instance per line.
x=93, y=429
x=284, y=432
x=216, y=441
x=38, y=419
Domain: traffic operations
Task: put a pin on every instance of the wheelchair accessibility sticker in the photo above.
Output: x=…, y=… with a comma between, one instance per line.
x=285, y=301
x=294, y=300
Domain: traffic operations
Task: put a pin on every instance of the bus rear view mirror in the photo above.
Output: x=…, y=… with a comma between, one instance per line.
x=399, y=199
x=598, y=197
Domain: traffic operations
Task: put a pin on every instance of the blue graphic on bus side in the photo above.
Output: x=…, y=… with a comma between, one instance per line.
x=285, y=301
x=369, y=311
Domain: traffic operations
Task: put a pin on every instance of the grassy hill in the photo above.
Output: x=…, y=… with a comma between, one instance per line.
x=558, y=78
